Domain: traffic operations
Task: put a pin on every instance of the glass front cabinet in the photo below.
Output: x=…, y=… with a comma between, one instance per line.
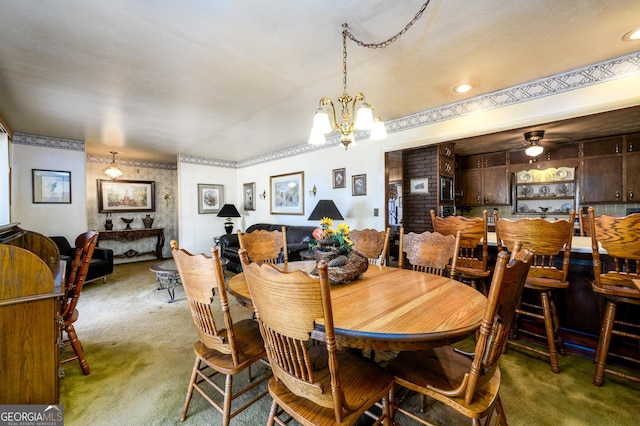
x=545, y=192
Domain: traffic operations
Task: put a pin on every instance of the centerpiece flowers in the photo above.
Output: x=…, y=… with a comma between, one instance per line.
x=331, y=240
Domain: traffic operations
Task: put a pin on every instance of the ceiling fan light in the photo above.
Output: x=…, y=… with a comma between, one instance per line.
x=534, y=150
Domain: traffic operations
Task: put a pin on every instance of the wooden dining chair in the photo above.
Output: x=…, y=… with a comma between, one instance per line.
x=583, y=223
x=472, y=264
x=551, y=242
x=265, y=246
x=315, y=384
x=228, y=348
x=372, y=243
x=614, y=273
x=85, y=243
x=429, y=252
x=468, y=382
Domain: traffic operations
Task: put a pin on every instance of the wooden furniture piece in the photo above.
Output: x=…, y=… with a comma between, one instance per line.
x=614, y=275
x=265, y=246
x=135, y=235
x=168, y=277
x=32, y=278
x=583, y=223
x=430, y=252
x=101, y=263
x=85, y=243
x=397, y=309
x=468, y=382
x=227, y=348
x=550, y=241
x=372, y=243
x=314, y=384
x=472, y=264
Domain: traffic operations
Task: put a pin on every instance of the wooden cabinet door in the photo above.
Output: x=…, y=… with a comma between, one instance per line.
x=632, y=178
x=495, y=185
x=471, y=187
x=601, y=179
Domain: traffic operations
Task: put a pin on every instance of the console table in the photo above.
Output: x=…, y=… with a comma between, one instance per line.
x=134, y=235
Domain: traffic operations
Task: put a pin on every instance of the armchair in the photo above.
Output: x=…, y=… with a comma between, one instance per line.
x=101, y=263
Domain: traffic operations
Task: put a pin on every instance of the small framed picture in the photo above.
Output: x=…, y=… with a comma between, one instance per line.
x=249, y=196
x=339, y=178
x=51, y=186
x=210, y=198
x=359, y=185
x=419, y=186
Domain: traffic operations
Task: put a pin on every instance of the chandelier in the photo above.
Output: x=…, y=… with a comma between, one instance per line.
x=326, y=117
x=113, y=171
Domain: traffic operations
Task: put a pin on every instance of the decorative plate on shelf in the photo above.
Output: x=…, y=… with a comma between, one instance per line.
x=525, y=191
x=561, y=174
x=566, y=207
x=523, y=208
x=549, y=175
x=524, y=177
x=544, y=190
x=565, y=189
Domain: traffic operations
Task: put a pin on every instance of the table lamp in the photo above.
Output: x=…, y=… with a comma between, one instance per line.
x=325, y=208
x=228, y=210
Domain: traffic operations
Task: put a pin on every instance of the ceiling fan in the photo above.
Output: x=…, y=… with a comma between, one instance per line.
x=535, y=143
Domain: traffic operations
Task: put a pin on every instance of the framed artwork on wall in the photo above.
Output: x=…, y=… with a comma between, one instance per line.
x=126, y=196
x=249, y=196
x=339, y=178
x=287, y=194
x=210, y=198
x=419, y=186
x=359, y=185
x=51, y=186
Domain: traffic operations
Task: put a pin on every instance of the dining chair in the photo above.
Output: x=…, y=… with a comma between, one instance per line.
x=315, y=384
x=583, y=223
x=472, y=264
x=613, y=274
x=429, y=252
x=84, y=243
x=467, y=382
x=372, y=243
x=265, y=246
x=226, y=349
x=551, y=242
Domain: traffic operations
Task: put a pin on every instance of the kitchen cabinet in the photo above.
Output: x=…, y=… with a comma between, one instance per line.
x=484, y=180
x=548, y=191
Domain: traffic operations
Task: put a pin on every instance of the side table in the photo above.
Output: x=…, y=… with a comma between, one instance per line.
x=307, y=255
x=167, y=275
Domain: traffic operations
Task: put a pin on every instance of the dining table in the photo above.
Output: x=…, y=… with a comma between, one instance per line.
x=392, y=309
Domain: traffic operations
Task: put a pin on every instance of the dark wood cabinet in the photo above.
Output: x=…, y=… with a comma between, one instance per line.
x=632, y=180
x=601, y=179
x=484, y=180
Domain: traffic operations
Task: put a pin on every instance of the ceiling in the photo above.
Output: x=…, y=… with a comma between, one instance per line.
x=233, y=80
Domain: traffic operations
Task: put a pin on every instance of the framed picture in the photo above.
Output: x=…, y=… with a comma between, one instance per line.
x=210, y=198
x=359, y=185
x=339, y=178
x=51, y=186
x=419, y=186
x=249, y=196
x=287, y=194
x=126, y=196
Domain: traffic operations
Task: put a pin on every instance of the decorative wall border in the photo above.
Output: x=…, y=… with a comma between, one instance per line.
x=101, y=159
x=47, y=142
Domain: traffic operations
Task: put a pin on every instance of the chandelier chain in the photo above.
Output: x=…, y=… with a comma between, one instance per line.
x=393, y=38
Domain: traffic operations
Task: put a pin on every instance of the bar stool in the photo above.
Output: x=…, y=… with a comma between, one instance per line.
x=548, y=239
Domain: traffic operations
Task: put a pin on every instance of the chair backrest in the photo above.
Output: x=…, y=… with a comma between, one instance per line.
x=548, y=239
x=583, y=222
x=371, y=243
x=505, y=291
x=201, y=276
x=288, y=304
x=474, y=247
x=265, y=246
x=620, y=237
x=429, y=252
x=85, y=243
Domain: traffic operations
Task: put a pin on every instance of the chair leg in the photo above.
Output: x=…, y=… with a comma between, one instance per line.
x=272, y=414
x=548, y=325
x=77, y=348
x=192, y=382
x=228, y=393
x=556, y=326
x=603, y=344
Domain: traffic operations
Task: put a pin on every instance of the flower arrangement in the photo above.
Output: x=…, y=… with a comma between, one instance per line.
x=326, y=239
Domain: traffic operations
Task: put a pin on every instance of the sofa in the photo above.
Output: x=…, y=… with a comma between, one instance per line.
x=101, y=262
x=297, y=240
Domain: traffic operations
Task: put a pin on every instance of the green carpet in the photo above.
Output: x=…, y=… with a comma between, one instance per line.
x=139, y=348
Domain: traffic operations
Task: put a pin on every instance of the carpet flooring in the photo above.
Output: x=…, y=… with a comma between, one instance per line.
x=139, y=348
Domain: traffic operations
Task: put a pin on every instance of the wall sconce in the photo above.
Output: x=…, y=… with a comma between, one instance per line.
x=263, y=195
x=166, y=197
x=313, y=191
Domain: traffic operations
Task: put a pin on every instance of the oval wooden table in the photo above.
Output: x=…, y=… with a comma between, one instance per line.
x=394, y=309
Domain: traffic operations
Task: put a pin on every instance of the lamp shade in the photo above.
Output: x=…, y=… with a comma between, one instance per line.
x=228, y=210
x=325, y=208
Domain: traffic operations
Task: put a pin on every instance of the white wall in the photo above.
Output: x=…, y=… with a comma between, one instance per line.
x=69, y=220
x=5, y=216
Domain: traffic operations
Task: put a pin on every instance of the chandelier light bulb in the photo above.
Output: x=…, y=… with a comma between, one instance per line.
x=321, y=123
x=364, y=117
x=378, y=131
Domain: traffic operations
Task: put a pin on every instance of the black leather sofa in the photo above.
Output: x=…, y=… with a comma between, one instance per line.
x=297, y=240
x=101, y=262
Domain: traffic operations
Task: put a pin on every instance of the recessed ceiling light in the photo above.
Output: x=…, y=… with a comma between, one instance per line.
x=633, y=35
x=462, y=88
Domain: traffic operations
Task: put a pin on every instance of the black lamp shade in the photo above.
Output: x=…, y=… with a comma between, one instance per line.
x=228, y=210
x=326, y=208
